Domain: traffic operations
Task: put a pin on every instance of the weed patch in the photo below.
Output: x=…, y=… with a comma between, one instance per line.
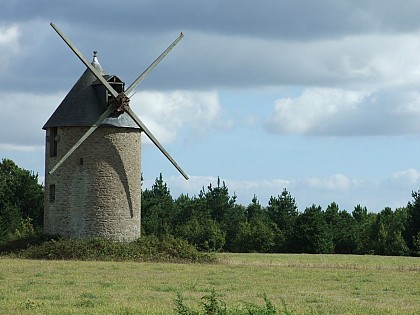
x=212, y=305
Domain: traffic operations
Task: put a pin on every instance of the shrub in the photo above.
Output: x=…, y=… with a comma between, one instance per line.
x=16, y=245
x=169, y=248
x=145, y=249
x=204, y=233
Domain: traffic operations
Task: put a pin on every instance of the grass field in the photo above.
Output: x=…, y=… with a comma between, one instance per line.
x=308, y=284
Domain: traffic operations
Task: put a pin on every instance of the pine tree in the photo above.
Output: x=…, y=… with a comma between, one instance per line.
x=157, y=209
x=283, y=212
x=413, y=224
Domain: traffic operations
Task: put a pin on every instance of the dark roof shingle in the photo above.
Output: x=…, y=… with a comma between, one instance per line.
x=82, y=107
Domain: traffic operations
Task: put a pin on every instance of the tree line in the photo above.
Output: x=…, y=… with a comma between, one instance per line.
x=214, y=221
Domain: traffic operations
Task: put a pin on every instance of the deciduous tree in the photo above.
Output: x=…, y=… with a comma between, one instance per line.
x=21, y=200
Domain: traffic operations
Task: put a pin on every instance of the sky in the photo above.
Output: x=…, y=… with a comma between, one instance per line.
x=319, y=97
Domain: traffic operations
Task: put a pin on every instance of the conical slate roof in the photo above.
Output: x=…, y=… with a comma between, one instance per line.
x=82, y=106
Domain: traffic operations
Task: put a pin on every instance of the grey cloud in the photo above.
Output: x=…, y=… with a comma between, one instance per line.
x=231, y=44
x=198, y=62
x=271, y=19
x=393, y=15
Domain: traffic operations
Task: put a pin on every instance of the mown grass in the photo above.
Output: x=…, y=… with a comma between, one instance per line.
x=307, y=284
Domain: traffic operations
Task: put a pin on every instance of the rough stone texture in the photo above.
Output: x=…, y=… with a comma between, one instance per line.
x=98, y=188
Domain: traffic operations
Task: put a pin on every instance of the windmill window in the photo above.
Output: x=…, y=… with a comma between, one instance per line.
x=116, y=84
x=52, y=192
x=53, y=141
x=81, y=161
x=118, y=87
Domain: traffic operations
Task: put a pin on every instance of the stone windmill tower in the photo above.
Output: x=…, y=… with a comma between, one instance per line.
x=92, y=157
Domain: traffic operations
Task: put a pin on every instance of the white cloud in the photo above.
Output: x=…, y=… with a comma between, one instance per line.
x=167, y=113
x=408, y=177
x=337, y=182
x=340, y=112
x=8, y=147
x=9, y=36
x=25, y=114
x=372, y=87
x=314, y=110
x=9, y=45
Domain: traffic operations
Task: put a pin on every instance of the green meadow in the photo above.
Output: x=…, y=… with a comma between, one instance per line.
x=295, y=284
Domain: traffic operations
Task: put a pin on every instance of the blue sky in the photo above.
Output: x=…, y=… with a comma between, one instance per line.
x=319, y=97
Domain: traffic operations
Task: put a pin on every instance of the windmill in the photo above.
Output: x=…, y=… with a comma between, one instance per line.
x=92, y=156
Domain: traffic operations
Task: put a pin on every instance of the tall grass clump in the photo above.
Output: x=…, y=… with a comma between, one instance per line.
x=212, y=305
x=148, y=248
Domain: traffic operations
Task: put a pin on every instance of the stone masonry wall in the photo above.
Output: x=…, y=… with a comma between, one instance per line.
x=98, y=188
